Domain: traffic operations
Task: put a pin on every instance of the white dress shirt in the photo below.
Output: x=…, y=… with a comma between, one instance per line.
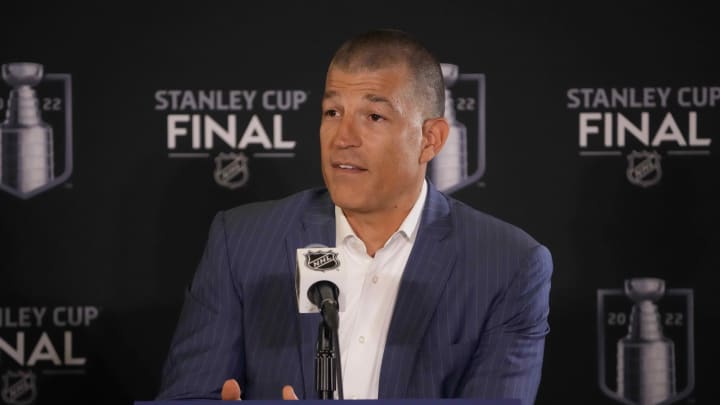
x=371, y=288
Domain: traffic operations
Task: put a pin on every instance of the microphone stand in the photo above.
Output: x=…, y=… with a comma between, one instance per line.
x=327, y=364
x=328, y=367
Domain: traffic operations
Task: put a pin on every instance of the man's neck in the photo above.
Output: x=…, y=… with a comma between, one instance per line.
x=375, y=228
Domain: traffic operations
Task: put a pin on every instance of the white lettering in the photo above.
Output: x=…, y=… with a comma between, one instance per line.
x=162, y=103
x=624, y=97
x=69, y=359
x=39, y=315
x=608, y=130
x=574, y=100
x=586, y=129
x=205, y=100
x=249, y=99
x=668, y=132
x=278, y=142
x=698, y=96
x=683, y=97
x=44, y=351
x=173, y=131
x=188, y=101
x=255, y=134
x=16, y=353
x=664, y=94
x=204, y=130
x=228, y=135
x=692, y=131
x=624, y=125
x=283, y=100
x=22, y=317
x=91, y=314
x=74, y=316
x=195, y=131
x=714, y=96
x=299, y=97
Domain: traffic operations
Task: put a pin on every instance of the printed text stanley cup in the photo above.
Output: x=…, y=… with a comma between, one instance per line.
x=26, y=142
x=449, y=167
x=645, y=358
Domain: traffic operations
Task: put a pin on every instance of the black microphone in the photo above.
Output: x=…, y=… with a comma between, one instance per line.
x=324, y=294
x=316, y=281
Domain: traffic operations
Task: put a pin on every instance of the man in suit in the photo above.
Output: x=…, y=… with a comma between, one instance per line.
x=443, y=300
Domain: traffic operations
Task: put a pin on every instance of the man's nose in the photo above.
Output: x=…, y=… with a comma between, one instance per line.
x=347, y=135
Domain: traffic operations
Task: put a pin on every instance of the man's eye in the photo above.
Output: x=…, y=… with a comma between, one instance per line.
x=330, y=113
x=376, y=117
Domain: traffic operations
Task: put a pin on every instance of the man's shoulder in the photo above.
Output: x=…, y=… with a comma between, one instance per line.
x=482, y=236
x=472, y=221
x=287, y=207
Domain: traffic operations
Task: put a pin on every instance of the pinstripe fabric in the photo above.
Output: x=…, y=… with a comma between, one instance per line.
x=469, y=321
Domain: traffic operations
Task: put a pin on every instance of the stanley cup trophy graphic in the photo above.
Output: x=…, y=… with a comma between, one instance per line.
x=645, y=358
x=26, y=142
x=449, y=167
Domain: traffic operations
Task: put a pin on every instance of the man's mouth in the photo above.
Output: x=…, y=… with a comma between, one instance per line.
x=348, y=166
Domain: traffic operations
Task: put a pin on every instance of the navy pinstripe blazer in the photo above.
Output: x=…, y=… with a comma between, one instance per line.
x=470, y=318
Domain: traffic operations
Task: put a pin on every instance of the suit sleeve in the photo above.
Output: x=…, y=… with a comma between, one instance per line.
x=207, y=347
x=508, y=360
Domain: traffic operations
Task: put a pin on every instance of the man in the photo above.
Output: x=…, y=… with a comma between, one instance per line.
x=443, y=301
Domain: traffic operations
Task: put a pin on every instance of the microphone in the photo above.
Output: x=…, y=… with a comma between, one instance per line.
x=324, y=294
x=318, y=280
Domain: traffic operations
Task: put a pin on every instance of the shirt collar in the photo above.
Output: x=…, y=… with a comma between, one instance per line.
x=408, y=228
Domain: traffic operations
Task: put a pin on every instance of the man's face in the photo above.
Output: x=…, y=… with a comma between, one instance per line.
x=371, y=139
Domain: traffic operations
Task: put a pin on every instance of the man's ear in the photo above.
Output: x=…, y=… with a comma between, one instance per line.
x=435, y=133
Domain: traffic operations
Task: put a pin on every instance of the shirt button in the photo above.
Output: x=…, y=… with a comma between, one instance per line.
x=361, y=339
x=375, y=279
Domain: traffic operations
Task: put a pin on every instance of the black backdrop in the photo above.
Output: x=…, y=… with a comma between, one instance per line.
x=120, y=237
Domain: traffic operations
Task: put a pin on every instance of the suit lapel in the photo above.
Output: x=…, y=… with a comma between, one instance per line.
x=423, y=281
x=318, y=227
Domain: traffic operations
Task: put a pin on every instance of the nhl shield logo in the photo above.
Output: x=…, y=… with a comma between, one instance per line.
x=36, y=133
x=644, y=168
x=461, y=161
x=321, y=260
x=645, y=342
x=231, y=170
x=18, y=388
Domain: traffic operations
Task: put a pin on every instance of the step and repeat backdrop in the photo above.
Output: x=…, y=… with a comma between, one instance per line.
x=124, y=130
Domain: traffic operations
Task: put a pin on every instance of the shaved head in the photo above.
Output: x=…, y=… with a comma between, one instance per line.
x=386, y=48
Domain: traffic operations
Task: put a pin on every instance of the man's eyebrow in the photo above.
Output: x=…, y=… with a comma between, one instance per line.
x=374, y=98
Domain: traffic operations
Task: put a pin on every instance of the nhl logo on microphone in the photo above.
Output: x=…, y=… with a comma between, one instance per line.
x=319, y=260
x=313, y=265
